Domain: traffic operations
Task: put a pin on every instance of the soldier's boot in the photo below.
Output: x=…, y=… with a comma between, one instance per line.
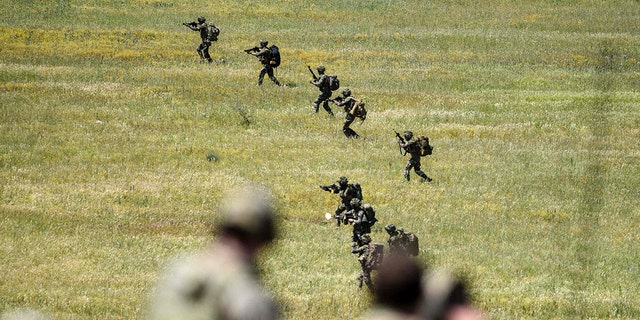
x=276, y=81
x=260, y=80
x=326, y=107
x=360, y=280
x=201, y=54
x=316, y=107
x=424, y=176
x=407, y=175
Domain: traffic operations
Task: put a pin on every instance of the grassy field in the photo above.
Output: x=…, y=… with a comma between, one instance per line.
x=533, y=107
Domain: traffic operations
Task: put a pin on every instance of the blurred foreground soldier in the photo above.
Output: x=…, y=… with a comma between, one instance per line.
x=222, y=281
x=353, y=108
x=370, y=256
x=265, y=56
x=401, y=242
x=322, y=82
x=208, y=32
x=347, y=192
x=415, y=148
x=398, y=291
x=446, y=298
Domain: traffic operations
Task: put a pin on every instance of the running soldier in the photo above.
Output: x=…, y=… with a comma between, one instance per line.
x=370, y=256
x=264, y=55
x=415, y=150
x=208, y=33
x=322, y=82
x=401, y=242
x=349, y=104
x=347, y=192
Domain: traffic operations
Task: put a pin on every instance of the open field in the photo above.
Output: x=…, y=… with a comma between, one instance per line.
x=533, y=107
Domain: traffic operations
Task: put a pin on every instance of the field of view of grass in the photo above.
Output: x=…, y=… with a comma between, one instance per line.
x=533, y=107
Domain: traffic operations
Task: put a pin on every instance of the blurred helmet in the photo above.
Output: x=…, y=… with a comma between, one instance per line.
x=367, y=207
x=201, y=19
x=408, y=135
x=365, y=238
x=346, y=92
x=249, y=209
x=321, y=69
x=264, y=43
x=342, y=180
x=390, y=228
x=355, y=202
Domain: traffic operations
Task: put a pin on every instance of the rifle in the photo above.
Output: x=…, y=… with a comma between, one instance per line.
x=332, y=188
x=190, y=24
x=400, y=139
x=336, y=100
x=312, y=73
x=254, y=49
x=346, y=217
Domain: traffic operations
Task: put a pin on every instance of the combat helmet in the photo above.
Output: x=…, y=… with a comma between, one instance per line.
x=249, y=211
x=342, y=180
x=355, y=202
x=408, y=135
x=346, y=92
x=321, y=69
x=201, y=19
x=365, y=239
x=264, y=43
x=390, y=228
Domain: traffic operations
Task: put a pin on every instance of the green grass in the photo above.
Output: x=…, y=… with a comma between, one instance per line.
x=106, y=118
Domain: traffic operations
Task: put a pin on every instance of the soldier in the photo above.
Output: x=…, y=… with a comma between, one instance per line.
x=347, y=191
x=203, y=48
x=400, y=242
x=264, y=56
x=361, y=224
x=221, y=282
x=367, y=260
x=347, y=102
x=322, y=82
x=412, y=148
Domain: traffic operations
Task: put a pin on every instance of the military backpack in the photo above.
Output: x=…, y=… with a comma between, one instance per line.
x=425, y=148
x=275, y=56
x=212, y=32
x=411, y=243
x=376, y=256
x=334, y=82
x=358, y=109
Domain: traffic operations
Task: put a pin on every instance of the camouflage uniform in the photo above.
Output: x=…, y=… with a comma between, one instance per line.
x=363, y=251
x=361, y=224
x=217, y=284
x=347, y=102
x=347, y=192
x=396, y=239
x=322, y=82
x=203, y=48
x=412, y=148
x=264, y=56
x=222, y=282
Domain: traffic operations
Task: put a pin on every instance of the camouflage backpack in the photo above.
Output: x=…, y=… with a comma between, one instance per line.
x=376, y=256
x=411, y=243
x=423, y=143
x=358, y=109
x=212, y=32
x=334, y=83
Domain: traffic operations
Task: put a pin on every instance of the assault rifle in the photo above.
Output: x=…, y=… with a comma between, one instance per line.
x=332, y=188
x=312, y=73
x=190, y=24
x=345, y=218
x=254, y=49
x=400, y=140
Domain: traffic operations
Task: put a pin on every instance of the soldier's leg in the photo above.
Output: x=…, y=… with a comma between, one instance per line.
x=416, y=168
x=367, y=279
x=326, y=107
x=407, y=170
x=200, y=49
x=205, y=51
x=346, y=129
x=271, y=76
x=261, y=76
x=316, y=103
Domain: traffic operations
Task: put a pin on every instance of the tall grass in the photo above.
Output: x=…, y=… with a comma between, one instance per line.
x=106, y=119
